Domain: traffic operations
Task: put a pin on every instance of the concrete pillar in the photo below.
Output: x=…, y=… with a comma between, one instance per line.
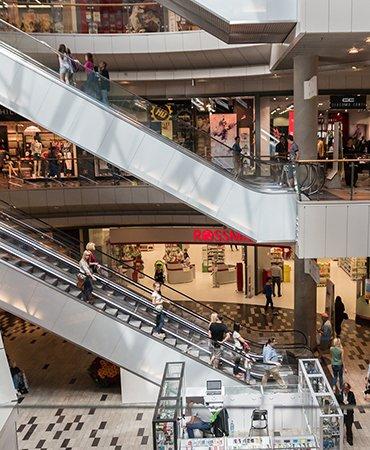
x=265, y=117
x=305, y=135
x=305, y=299
x=305, y=111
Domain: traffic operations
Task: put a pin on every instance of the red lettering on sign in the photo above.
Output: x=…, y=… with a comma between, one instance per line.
x=219, y=235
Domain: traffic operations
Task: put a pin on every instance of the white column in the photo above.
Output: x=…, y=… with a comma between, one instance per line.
x=265, y=111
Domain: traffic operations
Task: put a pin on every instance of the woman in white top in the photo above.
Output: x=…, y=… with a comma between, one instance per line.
x=158, y=301
x=64, y=64
x=88, y=276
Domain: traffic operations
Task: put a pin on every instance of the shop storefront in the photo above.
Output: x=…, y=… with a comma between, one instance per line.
x=30, y=152
x=83, y=16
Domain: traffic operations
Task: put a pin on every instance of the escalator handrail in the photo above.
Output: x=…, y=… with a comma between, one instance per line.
x=108, y=301
x=132, y=120
x=79, y=243
x=31, y=242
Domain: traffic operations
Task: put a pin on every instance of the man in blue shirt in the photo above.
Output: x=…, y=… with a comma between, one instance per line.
x=267, y=290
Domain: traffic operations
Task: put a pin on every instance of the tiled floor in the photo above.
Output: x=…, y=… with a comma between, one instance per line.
x=57, y=373
x=58, y=378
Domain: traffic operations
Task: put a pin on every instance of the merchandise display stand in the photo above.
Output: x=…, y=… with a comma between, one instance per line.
x=212, y=253
x=324, y=267
x=323, y=415
x=354, y=267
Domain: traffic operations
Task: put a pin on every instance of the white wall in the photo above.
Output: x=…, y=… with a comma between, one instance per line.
x=333, y=229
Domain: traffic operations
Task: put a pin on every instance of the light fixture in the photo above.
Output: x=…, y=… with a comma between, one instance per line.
x=202, y=81
x=32, y=129
x=274, y=99
x=353, y=50
x=286, y=98
x=354, y=68
x=125, y=82
x=367, y=40
x=320, y=104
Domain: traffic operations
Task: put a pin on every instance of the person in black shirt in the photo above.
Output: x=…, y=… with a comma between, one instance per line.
x=104, y=83
x=281, y=149
x=347, y=401
x=218, y=333
x=237, y=153
x=349, y=152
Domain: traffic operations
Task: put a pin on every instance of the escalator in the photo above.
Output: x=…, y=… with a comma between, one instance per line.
x=37, y=283
x=199, y=169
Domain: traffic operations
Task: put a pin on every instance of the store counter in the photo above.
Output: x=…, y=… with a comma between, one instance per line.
x=225, y=274
x=362, y=311
x=249, y=442
x=177, y=273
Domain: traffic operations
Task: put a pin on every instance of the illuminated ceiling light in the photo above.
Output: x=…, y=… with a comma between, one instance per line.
x=367, y=40
x=274, y=99
x=125, y=82
x=320, y=104
x=202, y=81
x=354, y=68
x=353, y=50
x=286, y=98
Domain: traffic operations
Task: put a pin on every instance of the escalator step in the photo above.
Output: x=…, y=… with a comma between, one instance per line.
x=39, y=273
x=170, y=341
x=100, y=305
x=27, y=267
x=123, y=317
x=194, y=352
x=204, y=358
x=111, y=311
x=135, y=322
x=74, y=291
x=63, y=286
x=147, y=329
x=51, y=280
x=108, y=289
x=182, y=347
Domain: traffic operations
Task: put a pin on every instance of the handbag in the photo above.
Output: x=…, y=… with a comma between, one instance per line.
x=80, y=281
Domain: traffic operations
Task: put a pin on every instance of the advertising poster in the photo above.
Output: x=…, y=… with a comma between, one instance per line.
x=223, y=129
x=245, y=140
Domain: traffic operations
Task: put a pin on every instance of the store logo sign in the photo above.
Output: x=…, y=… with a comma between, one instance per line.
x=220, y=236
x=161, y=113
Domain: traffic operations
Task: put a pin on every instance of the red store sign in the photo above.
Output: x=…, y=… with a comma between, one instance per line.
x=220, y=236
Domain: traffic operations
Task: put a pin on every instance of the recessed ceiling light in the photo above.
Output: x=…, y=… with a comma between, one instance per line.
x=274, y=99
x=320, y=104
x=275, y=75
x=354, y=68
x=202, y=81
x=353, y=50
x=367, y=40
x=125, y=82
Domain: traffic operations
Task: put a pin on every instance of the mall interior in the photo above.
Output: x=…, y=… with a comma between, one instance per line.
x=185, y=224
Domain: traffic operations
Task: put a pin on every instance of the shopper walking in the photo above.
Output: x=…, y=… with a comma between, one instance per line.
x=272, y=358
x=325, y=332
x=347, y=400
x=293, y=154
x=104, y=83
x=88, y=277
x=337, y=362
x=64, y=65
x=339, y=315
x=158, y=301
x=237, y=155
x=367, y=384
x=93, y=262
x=219, y=334
x=91, y=86
x=277, y=276
x=267, y=290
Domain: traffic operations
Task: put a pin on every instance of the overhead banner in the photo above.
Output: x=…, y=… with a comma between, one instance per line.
x=223, y=129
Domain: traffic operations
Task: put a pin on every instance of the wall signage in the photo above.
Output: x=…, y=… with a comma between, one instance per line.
x=161, y=112
x=191, y=235
x=348, y=101
x=7, y=115
x=220, y=236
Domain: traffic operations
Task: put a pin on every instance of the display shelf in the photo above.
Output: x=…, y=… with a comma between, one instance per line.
x=203, y=444
x=246, y=443
x=324, y=269
x=307, y=442
x=354, y=267
x=211, y=253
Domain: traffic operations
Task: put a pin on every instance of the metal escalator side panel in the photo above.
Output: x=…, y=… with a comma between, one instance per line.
x=40, y=303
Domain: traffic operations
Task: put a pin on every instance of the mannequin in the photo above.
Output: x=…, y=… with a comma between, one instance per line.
x=67, y=157
x=36, y=150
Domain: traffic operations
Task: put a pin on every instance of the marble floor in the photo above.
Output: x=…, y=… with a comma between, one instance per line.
x=66, y=409
x=57, y=375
